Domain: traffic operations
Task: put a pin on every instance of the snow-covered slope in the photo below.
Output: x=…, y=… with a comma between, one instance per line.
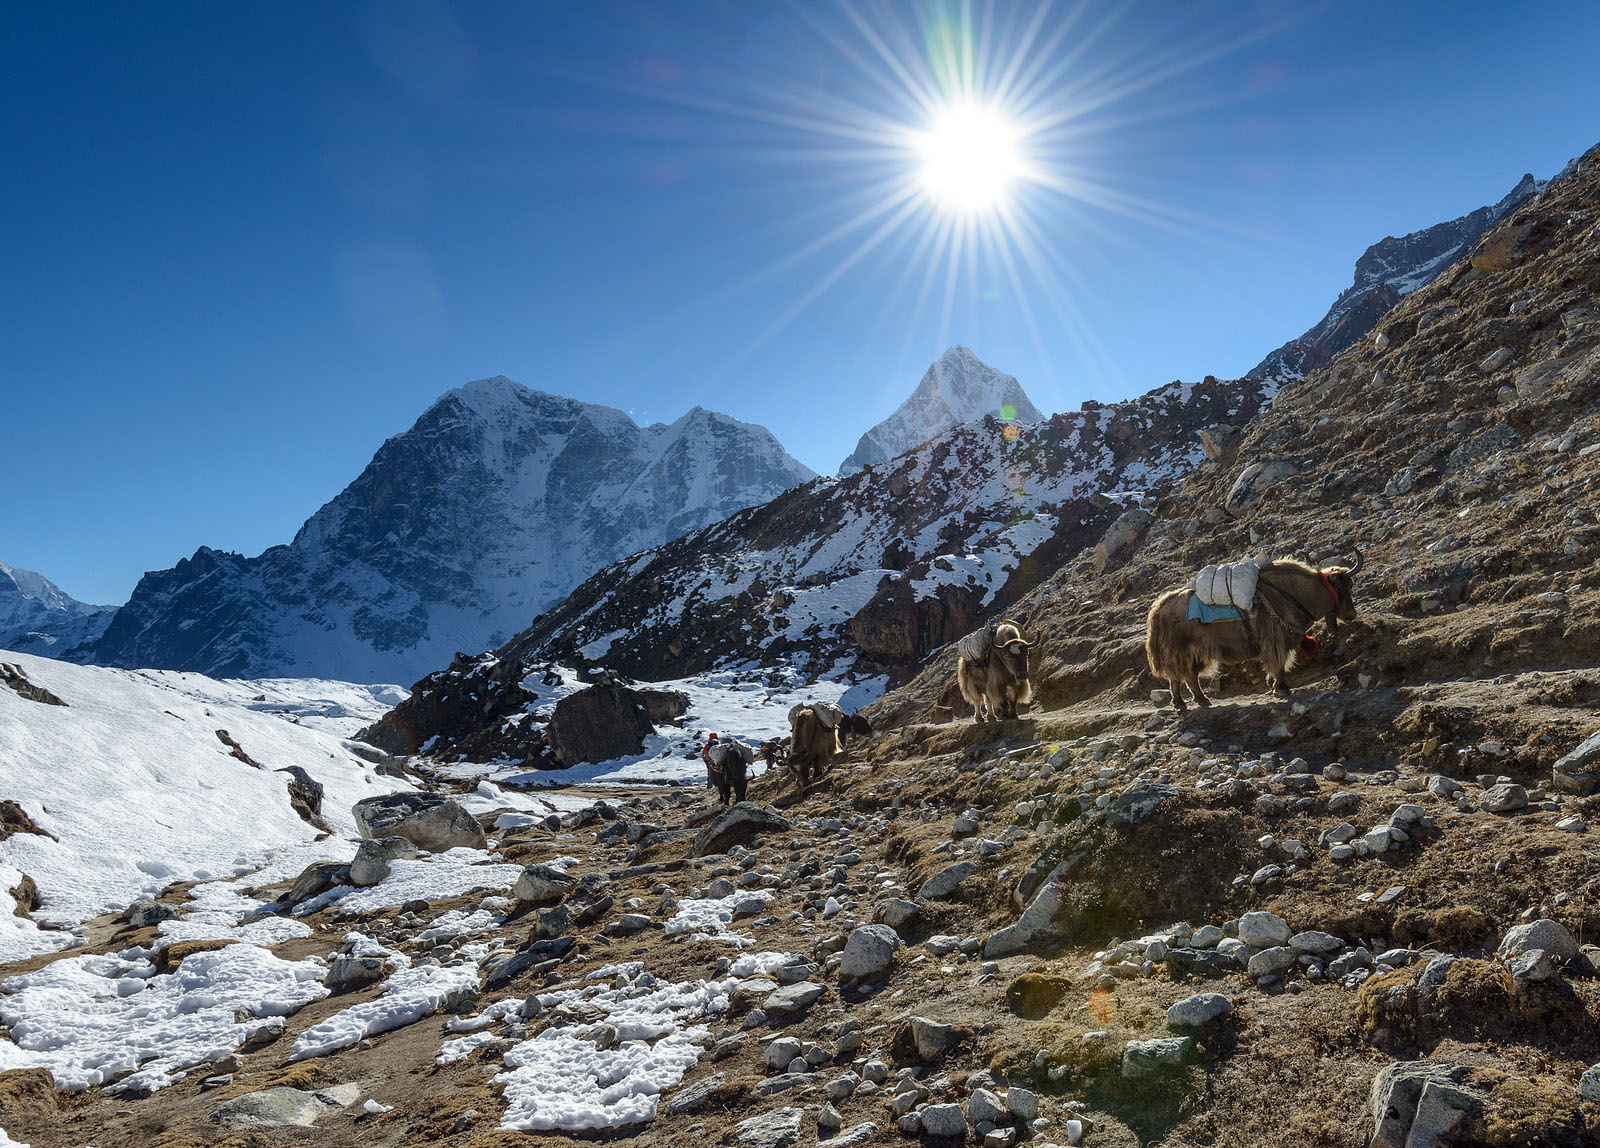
x=1387, y=272
x=136, y=789
x=958, y=388
x=37, y=616
x=490, y=509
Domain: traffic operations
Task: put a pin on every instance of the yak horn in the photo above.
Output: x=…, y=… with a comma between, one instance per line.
x=1358, y=562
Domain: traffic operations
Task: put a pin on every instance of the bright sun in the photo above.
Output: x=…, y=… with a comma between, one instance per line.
x=970, y=157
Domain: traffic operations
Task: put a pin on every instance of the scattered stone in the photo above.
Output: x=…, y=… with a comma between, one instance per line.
x=1199, y=1010
x=691, y=1097
x=1551, y=936
x=1417, y=1102
x=148, y=911
x=373, y=854
x=348, y=973
x=1023, y=1104
x=984, y=1105
x=776, y=1129
x=1505, y=797
x=738, y=826
x=1148, y=1057
x=852, y=1136
x=543, y=884
x=870, y=950
x=944, y=882
x=943, y=1122
x=1263, y=930
x=429, y=821
x=276, y=1107
x=1270, y=961
x=795, y=998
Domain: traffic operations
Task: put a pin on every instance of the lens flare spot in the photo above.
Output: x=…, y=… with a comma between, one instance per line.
x=1008, y=412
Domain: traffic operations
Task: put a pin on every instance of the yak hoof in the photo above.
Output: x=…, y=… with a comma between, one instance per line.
x=1203, y=702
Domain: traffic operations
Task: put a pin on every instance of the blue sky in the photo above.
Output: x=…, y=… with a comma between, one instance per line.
x=247, y=242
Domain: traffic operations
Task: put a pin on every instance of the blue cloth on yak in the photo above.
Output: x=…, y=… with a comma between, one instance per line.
x=1200, y=612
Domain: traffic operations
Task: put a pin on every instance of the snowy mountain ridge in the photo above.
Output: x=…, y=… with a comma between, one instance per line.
x=38, y=617
x=495, y=504
x=958, y=388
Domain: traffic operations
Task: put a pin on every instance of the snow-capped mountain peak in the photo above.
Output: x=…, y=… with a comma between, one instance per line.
x=958, y=388
x=38, y=617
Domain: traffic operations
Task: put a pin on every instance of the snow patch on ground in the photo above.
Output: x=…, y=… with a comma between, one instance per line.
x=706, y=917
x=408, y=996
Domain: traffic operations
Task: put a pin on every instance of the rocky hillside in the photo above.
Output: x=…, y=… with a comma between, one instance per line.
x=38, y=617
x=958, y=388
x=1387, y=272
x=859, y=576
x=494, y=505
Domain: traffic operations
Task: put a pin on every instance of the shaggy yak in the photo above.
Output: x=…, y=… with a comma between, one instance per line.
x=728, y=767
x=1290, y=596
x=993, y=671
x=813, y=740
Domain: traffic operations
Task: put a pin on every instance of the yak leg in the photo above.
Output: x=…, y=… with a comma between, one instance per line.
x=1175, y=688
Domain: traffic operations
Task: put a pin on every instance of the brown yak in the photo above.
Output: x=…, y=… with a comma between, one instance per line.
x=1290, y=596
x=993, y=671
x=813, y=740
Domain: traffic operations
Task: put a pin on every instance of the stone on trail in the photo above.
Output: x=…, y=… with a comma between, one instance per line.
x=1199, y=1010
x=944, y=882
x=1551, y=936
x=870, y=950
x=852, y=1136
x=1263, y=930
x=148, y=911
x=275, y=1107
x=776, y=1129
x=738, y=826
x=943, y=1122
x=348, y=973
x=429, y=821
x=317, y=877
x=795, y=998
x=984, y=1105
x=1148, y=1057
x=373, y=854
x=1507, y=797
x=1579, y=771
x=542, y=884
x=691, y=1097
x=1418, y=1102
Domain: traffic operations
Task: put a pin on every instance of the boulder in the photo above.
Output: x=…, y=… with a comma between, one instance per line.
x=427, y=820
x=1414, y=1103
x=1551, y=936
x=305, y=795
x=1199, y=1010
x=984, y=1105
x=1140, y=801
x=776, y=1129
x=599, y=723
x=276, y=1107
x=1149, y=1057
x=147, y=911
x=1502, y=249
x=738, y=826
x=856, y=1134
x=943, y=1122
x=1579, y=771
x=665, y=705
x=869, y=951
x=1121, y=537
x=690, y=1097
x=897, y=913
x=927, y=1040
x=346, y=973
x=318, y=877
x=542, y=884
x=1253, y=483
x=944, y=882
x=795, y=998
x=1507, y=797
x=1263, y=930
x=1037, y=920
x=373, y=856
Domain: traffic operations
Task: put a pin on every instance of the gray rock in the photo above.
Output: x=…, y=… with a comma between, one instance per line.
x=1205, y=937
x=1148, y=1057
x=542, y=884
x=1139, y=802
x=1122, y=536
x=1262, y=930
x=1531, y=965
x=795, y=998
x=1199, y=1010
x=944, y=882
x=782, y=1050
x=1414, y=1103
x=1037, y=920
x=1589, y=1083
x=1315, y=941
x=1022, y=1104
x=1269, y=961
x=348, y=973
x=692, y=1096
x=318, y=877
x=785, y=1081
x=276, y=1107
x=373, y=855
x=1579, y=771
x=776, y=1129
x=741, y=824
x=870, y=950
x=943, y=1121
x=931, y=1039
x=1253, y=483
x=984, y=1105
x=147, y=911
x=897, y=912
x=429, y=821
x=852, y=1136
x=1551, y=936
x=1507, y=797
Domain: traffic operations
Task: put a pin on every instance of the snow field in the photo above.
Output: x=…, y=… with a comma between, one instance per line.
x=139, y=792
x=408, y=996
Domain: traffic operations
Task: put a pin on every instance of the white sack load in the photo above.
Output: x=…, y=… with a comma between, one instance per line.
x=975, y=646
x=828, y=714
x=1230, y=584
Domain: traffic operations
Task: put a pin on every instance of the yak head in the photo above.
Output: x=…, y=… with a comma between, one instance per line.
x=1340, y=580
x=1012, y=649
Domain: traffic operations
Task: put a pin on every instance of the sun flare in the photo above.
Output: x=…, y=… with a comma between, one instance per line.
x=970, y=158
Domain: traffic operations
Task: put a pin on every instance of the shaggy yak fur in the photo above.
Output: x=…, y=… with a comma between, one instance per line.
x=996, y=684
x=728, y=768
x=1290, y=597
x=812, y=744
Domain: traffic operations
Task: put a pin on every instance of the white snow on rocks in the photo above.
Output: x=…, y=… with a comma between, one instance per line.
x=408, y=996
x=561, y=1080
x=432, y=877
x=707, y=917
x=116, y=1022
x=138, y=790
